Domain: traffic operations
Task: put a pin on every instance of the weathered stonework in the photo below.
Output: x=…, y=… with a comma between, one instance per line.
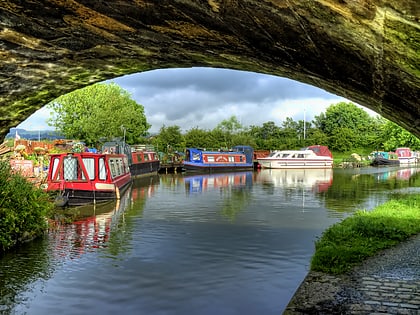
x=365, y=50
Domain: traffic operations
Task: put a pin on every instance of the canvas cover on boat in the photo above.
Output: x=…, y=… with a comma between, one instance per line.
x=320, y=150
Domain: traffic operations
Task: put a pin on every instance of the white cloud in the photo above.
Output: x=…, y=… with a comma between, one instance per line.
x=203, y=97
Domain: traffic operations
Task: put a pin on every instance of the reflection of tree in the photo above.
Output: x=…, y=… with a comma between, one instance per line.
x=350, y=191
x=17, y=271
x=235, y=200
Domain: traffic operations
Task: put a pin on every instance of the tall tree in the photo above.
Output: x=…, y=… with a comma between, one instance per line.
x=230, y=126
x=169, y=139
x=350, y=119
x=97, y=113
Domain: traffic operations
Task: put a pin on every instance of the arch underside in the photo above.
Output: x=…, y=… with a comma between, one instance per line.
x=367, y=51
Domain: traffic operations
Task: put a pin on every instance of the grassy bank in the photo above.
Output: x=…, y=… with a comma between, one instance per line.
x=349, y=242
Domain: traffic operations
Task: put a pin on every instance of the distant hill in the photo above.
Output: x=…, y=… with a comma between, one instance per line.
x=34, y=135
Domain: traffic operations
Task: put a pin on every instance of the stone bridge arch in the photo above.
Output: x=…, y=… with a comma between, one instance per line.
x=367, y=51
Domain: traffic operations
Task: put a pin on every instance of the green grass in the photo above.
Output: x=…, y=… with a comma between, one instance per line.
x=351, y=241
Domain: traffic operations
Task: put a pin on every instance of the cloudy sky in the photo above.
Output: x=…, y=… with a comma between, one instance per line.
x=203, y=97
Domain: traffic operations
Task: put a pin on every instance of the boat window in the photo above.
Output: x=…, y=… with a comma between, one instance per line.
x=210, y=158
x=71, y=168
x=196, y=157
x=102, y=169
x=90, y=167
x=112, y=168
x=285, y=155
x=301, y=156
x=55, y=163
x=146, y=157
x=232, y=159
x=139, y=158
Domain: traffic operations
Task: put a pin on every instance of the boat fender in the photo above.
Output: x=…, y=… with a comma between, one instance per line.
x=117, y=193
x=61, y=201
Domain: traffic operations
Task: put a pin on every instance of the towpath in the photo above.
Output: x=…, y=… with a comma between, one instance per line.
x=388, y=283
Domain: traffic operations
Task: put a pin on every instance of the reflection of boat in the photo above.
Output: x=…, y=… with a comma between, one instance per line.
x=142, y=160
x=315, y=179
x=238, y=159
x=311, y=157
x=399, y=174
x=93, y=227
x=86, y=177
x=203, y=182
x=384, y=158
x=406, y=156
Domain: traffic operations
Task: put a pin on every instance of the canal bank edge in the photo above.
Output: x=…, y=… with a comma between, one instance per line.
x=388, y=282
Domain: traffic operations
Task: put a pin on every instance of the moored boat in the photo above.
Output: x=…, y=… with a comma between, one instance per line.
x=406, y=156
x=142, y=159
x=382, y=158
x=239, y=158
x=85, y=177
x=315, y=156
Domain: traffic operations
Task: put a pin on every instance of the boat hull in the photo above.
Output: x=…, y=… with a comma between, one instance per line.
x=78, y=197
x=144, y=169
x=294, y=164
x=380, y=161
x=211, y=168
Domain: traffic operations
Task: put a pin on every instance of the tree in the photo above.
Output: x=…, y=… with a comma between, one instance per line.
x=230, y=126
x=394, y=136
x=198, y=138
x=349, y=118
x=99, y=113
x=170, y=139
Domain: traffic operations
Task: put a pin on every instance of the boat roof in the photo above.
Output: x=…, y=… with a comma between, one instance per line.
x=214, y=151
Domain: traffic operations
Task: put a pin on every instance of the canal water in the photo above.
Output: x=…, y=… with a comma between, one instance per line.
x=232, y=243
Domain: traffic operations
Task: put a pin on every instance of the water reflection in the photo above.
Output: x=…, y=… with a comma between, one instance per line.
x=316, y=180
x=91, y=230
x=235, y=243
x=199, y=183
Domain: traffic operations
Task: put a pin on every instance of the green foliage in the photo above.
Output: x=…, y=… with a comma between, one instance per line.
x=394, y=136
x=230, y=126
x=349, y=242
x=169, y=139
x=23, y=209
x=346, y=125
x=99, y=113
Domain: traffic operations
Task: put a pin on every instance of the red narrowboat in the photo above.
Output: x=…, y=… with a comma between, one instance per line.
x=81, y=178
x=142, y=159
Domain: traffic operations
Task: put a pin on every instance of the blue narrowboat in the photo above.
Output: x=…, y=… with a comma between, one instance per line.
x=239, y=158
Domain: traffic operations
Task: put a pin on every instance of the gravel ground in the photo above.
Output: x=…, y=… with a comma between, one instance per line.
x=388, y=283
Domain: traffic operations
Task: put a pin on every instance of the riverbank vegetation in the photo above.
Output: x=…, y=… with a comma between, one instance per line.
x=351, y=241
x=24, y=209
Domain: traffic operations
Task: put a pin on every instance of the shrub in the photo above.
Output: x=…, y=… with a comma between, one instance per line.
x=24, y=209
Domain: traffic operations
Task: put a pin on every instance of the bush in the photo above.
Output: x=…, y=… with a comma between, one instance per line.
x=24, y=209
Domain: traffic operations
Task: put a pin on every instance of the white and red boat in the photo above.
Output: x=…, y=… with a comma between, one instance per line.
x=406, y=156
x=315, y=156
x=81, y=178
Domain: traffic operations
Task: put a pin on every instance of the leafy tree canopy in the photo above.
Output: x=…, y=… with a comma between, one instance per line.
x=170, y=139
x=395, y=136
x=99, y=113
